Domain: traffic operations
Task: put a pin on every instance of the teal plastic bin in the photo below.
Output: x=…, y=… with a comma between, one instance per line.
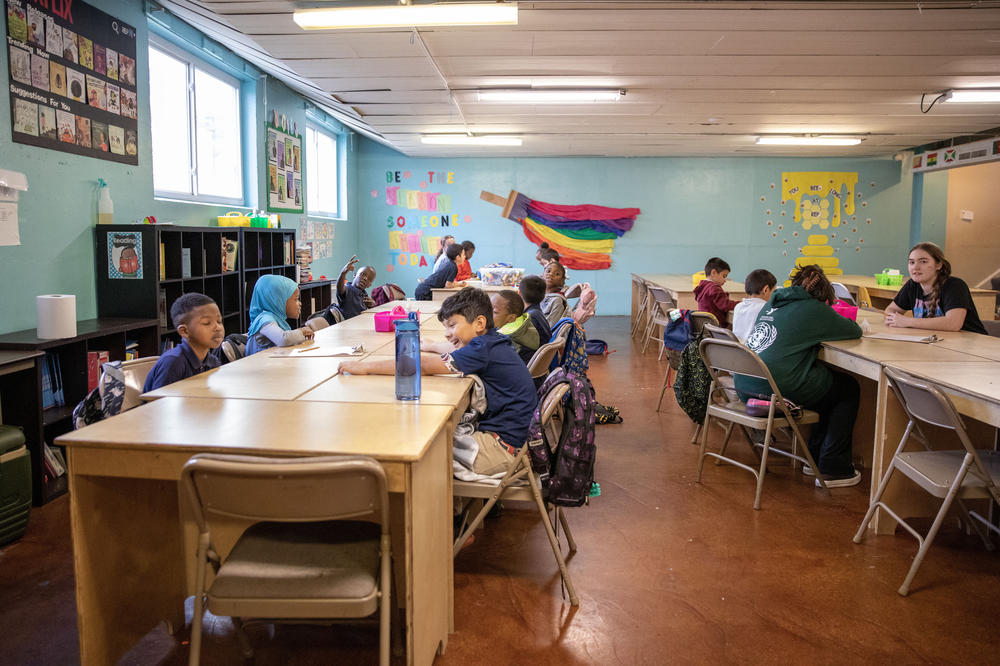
x=15, y=484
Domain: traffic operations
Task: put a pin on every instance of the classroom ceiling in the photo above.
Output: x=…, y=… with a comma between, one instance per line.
x=702, y=78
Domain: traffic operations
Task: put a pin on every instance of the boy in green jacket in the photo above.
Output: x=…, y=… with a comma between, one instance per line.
x=786, y=336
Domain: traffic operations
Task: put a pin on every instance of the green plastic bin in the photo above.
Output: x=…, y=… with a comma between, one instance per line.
x=15, y=484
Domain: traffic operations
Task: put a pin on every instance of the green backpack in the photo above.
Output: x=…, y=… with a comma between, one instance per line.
x=692, y=383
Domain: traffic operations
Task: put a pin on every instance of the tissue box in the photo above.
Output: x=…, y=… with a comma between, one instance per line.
x=501, y=277
x=383, y=320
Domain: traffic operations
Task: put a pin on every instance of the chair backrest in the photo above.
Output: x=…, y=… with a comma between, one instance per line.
x=841, y=292
x=719, y=333
x=551, y=415
x=922, y=400
x=734, y=358
x=539, y=364
x=661, y=295
x=574, y=290
x=699, y=320
x=286, y=489
x=561, y=334
x=135, y=372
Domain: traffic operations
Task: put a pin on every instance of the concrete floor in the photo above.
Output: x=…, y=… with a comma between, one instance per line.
x=668, y=571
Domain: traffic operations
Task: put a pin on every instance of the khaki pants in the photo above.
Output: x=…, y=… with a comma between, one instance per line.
x=493, y=457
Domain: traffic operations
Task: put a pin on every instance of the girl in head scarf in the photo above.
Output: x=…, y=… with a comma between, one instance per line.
x=275, y=300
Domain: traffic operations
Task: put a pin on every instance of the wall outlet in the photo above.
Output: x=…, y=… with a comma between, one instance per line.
x=966, y=216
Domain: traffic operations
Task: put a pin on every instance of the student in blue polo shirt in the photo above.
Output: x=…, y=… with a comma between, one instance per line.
x=199, y=324
x=351, y=296
x=444, y=277
x=475, y=347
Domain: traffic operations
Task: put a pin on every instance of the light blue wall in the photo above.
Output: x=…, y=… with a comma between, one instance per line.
x=58, y=212
x=691, y=209
x=934, y=217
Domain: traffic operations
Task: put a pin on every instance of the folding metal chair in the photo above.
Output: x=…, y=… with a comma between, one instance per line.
x=732, y=357
x=658, y=314
x=319, y=547
x=698, y=321
x=521, y=483
x=640, y=312
x=540, y=361
x=952, y=475
x=842, y=293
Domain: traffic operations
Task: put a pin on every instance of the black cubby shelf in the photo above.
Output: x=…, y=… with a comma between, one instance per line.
x=167, y=273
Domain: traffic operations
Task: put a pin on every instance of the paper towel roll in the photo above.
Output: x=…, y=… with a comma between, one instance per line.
x=56, y=316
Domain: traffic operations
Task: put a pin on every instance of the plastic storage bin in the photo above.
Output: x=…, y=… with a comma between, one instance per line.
x=501, y=277
x=234, y=219
x=15, y=484
x=384, y=319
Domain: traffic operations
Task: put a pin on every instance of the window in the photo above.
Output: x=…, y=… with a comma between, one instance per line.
x=195, y=117
x=322, y=172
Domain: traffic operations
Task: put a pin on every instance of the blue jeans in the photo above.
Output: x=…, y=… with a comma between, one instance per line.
x=830, y=440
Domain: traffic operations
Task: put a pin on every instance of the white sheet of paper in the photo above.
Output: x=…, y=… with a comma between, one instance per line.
x=899, y=337
x=313, y=352
x=8, y=224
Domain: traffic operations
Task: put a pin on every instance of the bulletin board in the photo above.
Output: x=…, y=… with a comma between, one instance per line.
x=72, y=80
x=284, y=171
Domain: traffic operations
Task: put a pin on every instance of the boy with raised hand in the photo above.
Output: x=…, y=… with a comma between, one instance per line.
x=512, y=321
x=475, y=347
x=352, y=296
x=709, y=293
x=758, y=285
x=199, y=324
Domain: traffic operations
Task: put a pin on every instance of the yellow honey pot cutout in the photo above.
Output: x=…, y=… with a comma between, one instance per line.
x=818, y=197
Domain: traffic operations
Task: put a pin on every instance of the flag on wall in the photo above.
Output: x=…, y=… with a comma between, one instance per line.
x=583, y=235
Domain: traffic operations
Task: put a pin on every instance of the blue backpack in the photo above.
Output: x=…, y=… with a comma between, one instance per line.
x=677, y=334
x=574, y=355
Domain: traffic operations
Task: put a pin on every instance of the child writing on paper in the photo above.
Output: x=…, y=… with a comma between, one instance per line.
x=275, y=300
x=445, y=277
x=710, y=294
x=939, y=301
x=199, y=323
x=475, y=347
x=759, y=285
x=788, y=331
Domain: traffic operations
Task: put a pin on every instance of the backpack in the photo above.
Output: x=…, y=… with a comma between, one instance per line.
x=105, y=400
x=565, y=468
x=596, y=346
x=677, y=334
x=692, y=383
x=388, y=292
x=233, y=348
x=574, y=355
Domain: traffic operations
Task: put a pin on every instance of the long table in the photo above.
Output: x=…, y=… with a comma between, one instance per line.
x=968, y=364
x=681, y=288
x=985, y=300
x=133, y=536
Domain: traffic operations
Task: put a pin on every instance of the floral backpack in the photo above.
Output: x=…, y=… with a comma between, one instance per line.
x=574, y=355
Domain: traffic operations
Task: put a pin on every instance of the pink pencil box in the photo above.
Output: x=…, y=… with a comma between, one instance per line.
x=846, y=310
x=383, y=320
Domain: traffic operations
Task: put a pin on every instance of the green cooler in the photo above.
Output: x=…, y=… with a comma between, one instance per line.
x=15, y=484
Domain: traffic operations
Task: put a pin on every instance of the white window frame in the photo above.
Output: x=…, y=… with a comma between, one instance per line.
x=338, y=140
x=193, y=62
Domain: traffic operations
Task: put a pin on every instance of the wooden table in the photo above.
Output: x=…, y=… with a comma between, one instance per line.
x=130, y=528
x=441, y=294
x=381, y=389
x=984, y=299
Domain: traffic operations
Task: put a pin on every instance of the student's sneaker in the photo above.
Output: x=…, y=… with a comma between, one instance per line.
x=841, y=481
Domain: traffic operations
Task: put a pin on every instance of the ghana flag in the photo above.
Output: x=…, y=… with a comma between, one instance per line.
x=583, y=235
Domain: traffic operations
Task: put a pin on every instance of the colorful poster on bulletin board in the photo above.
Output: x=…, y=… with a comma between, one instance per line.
x=72, y=79
x=284, y=171
x=125, y=255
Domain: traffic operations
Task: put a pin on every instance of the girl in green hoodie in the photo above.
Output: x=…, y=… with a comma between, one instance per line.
x=786, y=336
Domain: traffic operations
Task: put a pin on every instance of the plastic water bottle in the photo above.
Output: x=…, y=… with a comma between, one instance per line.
x=407, y=357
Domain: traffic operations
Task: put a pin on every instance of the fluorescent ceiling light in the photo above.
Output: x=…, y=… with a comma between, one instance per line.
x=808, y=141
x=973, y=95
x=551, y=95
x=466, y=140
x=391, y=16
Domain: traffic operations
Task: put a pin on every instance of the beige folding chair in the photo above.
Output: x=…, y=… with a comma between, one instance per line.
x=539, y=364
x=521, y=483
x=735, y=359
x=658, y=314
x=951, y=475
x=135, y=372
x=319, y=547
x=640, y=312
x=574, y=290
x=698, y=321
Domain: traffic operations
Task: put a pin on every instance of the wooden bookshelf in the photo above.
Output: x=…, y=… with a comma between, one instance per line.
x=21, y=391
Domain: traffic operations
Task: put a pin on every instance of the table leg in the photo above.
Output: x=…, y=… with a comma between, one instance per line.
x=428, y=559
x=128, y=561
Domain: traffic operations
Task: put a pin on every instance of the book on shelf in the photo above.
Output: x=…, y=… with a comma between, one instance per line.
x=48, y=398
x=185, y=262
x=163, y=309
x=53, y=467
x=95, y=359
x=131, y=350
x=288, y=251
x=52, y=385
x=230, y=248
x=166, y=346
x=163, y=261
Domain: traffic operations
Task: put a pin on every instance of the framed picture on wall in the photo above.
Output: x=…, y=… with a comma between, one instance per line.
x=284, y=171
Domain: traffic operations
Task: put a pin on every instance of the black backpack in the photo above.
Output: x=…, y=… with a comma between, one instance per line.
x=566, y=468
x=692, y=383
x=233, y=348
